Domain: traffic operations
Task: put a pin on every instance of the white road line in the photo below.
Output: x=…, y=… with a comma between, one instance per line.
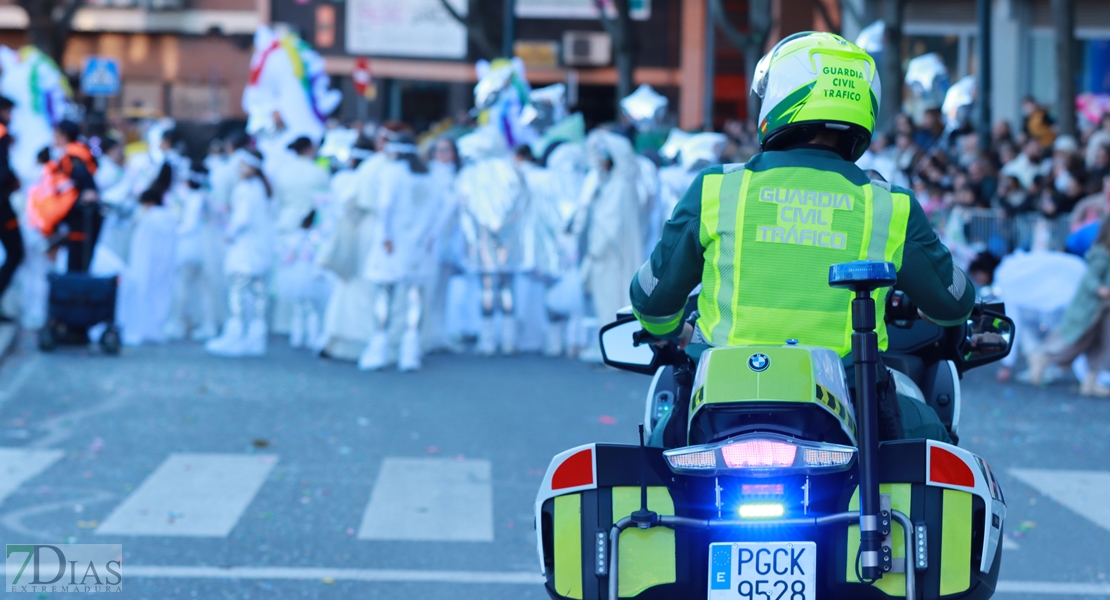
x=430, y=499
x=1049, y=588
x=301, y=573
x=17, y=465
x=196, y=495
x=1008, y=543
x=1084, y=492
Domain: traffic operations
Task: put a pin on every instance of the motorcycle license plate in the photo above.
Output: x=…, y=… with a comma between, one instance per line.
x=763, y=571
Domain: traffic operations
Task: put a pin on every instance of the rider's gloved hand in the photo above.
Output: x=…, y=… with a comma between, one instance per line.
x=683, y=339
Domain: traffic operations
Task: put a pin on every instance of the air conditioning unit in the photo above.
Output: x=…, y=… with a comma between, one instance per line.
x=587, y=49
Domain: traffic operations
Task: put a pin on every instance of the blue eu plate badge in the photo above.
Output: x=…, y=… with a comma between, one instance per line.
x=721, y=575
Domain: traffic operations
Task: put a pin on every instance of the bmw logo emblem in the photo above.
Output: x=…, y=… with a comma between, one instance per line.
x=759, y=362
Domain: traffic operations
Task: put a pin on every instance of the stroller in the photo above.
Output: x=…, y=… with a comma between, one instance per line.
x=79, y=301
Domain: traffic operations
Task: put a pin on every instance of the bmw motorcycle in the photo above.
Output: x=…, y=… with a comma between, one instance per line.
x=764, y=480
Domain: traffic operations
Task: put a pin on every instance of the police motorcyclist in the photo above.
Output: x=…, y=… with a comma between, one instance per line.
x=760, y=237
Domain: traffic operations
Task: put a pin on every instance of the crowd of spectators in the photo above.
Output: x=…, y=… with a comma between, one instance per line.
x=1031, y=171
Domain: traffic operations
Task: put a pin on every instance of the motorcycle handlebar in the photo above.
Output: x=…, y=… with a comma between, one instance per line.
x=642, y=337
x=900, y=309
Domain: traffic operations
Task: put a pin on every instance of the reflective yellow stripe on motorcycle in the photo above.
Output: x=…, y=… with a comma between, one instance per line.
x=836, y=406
x=647, y=556
x=893, y=584
x=568, y=545
x=955, y=543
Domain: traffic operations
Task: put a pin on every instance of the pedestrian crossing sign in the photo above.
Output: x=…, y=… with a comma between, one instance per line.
x=100, y=76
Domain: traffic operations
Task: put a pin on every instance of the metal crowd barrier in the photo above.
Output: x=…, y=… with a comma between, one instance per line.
x=993, y=230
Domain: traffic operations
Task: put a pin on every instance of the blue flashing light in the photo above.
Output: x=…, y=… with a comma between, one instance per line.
x=863, y=274
x=762, y=510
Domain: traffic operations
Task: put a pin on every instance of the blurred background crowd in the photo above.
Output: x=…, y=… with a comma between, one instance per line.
x=529, y=189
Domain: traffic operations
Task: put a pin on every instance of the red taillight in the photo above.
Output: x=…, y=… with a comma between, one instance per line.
x=576, y=471
x=949, y=469
x=761, y=489
x=759, y=453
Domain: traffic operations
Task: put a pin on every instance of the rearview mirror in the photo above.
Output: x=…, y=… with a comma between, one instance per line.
x=620, y=351
x=990, y=338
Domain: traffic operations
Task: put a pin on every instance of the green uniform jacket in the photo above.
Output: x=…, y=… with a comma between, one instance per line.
x=927, y=274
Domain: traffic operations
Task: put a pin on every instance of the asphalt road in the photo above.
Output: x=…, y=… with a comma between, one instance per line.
x=93, y=447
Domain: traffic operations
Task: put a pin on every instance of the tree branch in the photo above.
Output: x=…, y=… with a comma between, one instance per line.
x=824, y=10
x=68, y=12
x=474, y=31
x=606, y=22
x=848, y=6
x=735, y=37
x=454, y=14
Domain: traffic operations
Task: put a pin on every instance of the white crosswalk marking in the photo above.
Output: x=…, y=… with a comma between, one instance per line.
x=17, y=465
x=423, y=499
x=199, y=495
x=1085, y=492
x=1053, y=588
x=317, y=573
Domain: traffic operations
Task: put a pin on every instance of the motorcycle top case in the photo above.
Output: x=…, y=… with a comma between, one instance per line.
x=799, y=389
x=949, y=491
x=82, y=300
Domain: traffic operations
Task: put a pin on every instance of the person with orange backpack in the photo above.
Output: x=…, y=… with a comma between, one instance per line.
x=67, y=196
x=10, y=236
x=84, y=218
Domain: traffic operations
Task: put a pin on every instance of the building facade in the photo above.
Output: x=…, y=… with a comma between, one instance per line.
x=189, y=59
x=1023, y=46
x=423, y=60
x=186, y=59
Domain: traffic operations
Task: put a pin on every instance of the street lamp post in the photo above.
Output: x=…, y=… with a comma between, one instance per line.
x=508, y=33
x=983, y=15
x=710, y=67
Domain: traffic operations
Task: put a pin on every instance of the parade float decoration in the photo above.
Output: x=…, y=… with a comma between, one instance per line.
x=927, y=78
x=501, y=99
x=645, y=108
x=871, y=39
x=42, y=98
x=288, y=93
x=959, y=102
x=551, y=122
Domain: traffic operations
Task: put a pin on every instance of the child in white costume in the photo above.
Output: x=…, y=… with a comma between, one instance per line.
x=302, y=283
x=347, y=320
x=609, y=217
x=160, y=166
x=540, y=265
x=298, y=187
x=402, y=260
x=193, y=301
x=443, y=166
x=146, y=287
x=249, y=258
x=565, y=299
x=492, y=195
